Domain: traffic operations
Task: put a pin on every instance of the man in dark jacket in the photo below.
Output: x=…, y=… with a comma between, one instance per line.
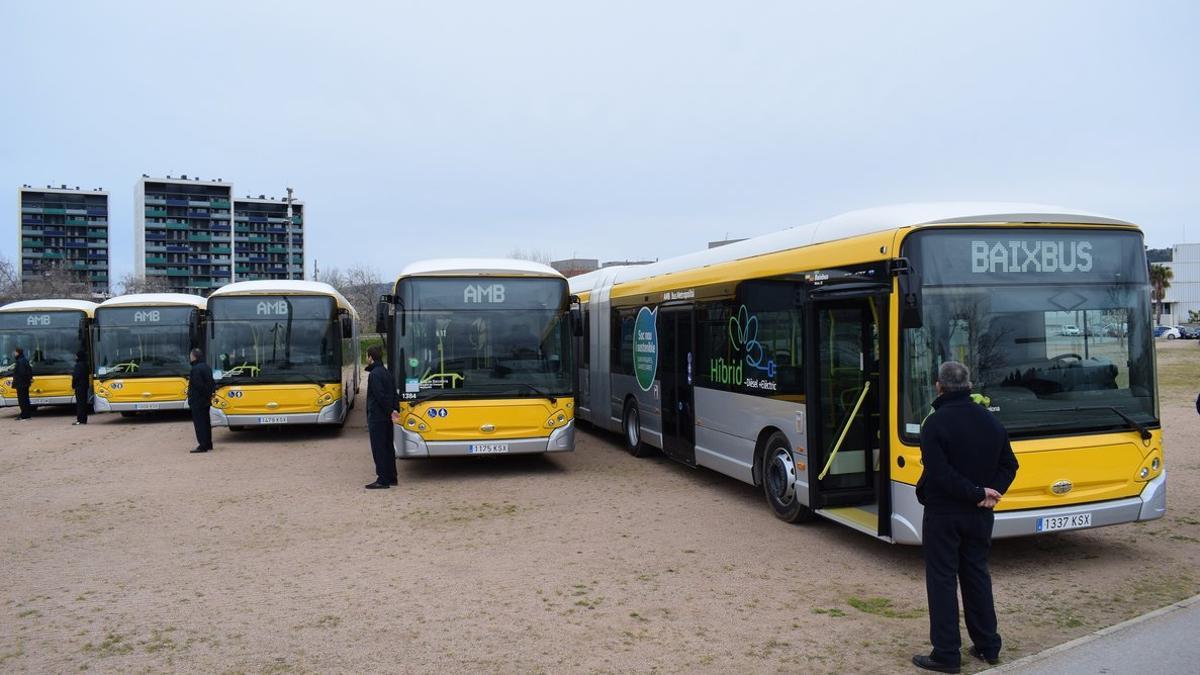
x=381, y=401
x=201, y=388
x=80, y=383
x=968, y=465
x=22, y=381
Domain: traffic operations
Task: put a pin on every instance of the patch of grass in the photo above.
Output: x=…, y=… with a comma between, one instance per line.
x=883, y=607
x=114, y=644
x=1067, y=619
x=1187, y=521
x=159, y=641
x=15, y=653
x=28, y=613
x=1184, y=537
x=831, y=611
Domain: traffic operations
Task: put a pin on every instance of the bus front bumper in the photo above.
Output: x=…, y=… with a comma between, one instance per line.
x=410, y=445
x=1149, y=505
x=334, y=413
x=103, y=405
x=39, y=400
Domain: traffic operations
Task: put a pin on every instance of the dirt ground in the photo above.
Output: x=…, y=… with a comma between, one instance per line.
x=122, y=553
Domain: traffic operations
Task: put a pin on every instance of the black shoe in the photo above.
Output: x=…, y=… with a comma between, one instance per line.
x=393, y=483
x=928, y=663
x=378, y=486
x=198, y=449
x=991, y=661
x=77, y=422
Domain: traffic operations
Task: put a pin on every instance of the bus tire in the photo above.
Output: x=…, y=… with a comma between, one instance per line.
x=631, y=430
x=779, y=481
x=128, y=413
x=237, y=428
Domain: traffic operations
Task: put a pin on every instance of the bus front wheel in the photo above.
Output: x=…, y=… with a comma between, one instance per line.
x=632, y=425
x=779, y=481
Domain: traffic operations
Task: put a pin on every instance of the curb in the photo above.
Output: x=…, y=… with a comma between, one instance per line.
x=1093, y=636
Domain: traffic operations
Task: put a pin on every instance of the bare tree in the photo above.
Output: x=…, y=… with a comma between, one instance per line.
x=56, y=282
x=10, y=283
x=131, y=283
x=532, y=255
x=361, y=285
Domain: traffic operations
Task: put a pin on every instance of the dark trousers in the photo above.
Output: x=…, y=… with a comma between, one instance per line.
x=203, y=427
x=81, y=406
x=23, y=401
x=382, y=450
x=956, y=552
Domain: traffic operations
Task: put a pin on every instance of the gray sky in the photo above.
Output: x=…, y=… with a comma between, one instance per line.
x=604, y=129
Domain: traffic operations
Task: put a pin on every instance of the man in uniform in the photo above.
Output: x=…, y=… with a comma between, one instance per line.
x=201, y=388
x=22, y=381
x=968, y=465
x=79, y=383
x=381, y=401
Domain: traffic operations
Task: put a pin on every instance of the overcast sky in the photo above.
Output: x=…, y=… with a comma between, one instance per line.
x=603, y=129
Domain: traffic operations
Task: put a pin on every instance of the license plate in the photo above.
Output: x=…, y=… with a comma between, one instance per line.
x=273, y=419
x=487, y=448
x=147, y=406
x=39, y=401
x=1064, y=522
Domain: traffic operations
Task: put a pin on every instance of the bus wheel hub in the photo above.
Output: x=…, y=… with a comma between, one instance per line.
x=781, y=476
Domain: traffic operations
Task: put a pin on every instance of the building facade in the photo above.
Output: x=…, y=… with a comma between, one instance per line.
x=265, y=243
x=183, y=233
x=64, y=230
x=1183, y=295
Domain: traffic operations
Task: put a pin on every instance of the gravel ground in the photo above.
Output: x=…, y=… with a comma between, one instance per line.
x=121, y=552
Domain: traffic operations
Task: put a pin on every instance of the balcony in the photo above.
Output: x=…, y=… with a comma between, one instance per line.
x=31, y=220
x=177, y=226
x=219, y=249
x=219, y=203
x=156, y=213
x=199, y=236
x=54, y=233
x=156, y=259
x=197, y=214
x=101, y=243
x=156, y=200
x=54, y=211
x=177, y=202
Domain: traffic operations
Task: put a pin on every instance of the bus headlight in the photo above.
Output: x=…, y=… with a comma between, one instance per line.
x=219, y=402
x=1151, y=466
x=556, y=418
x=1144, y=472
x=1154, y=464
x=325, y=399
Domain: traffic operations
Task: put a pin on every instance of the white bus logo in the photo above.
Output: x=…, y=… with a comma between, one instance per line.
x=991, y=257
x=150, y=315
x=38, y=320
x=493, y=294
x=275, y=307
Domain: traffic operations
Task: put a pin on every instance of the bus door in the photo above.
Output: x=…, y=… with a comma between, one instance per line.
x=845, y=402
x=676, y=366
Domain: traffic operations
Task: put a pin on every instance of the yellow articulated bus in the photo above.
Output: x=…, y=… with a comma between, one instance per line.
x=804, y=361
x=140, y=346
x=481, y=353
x=282, y=352
x=51, y=332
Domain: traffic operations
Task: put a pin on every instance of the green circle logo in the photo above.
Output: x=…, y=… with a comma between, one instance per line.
x=645, y=348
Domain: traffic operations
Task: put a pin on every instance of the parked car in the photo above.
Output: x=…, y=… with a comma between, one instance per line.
x=1168, y=332
x=1189, y=332
x=1070, y=330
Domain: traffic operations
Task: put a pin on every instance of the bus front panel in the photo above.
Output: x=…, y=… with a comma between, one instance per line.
x=142, y=357
x=51, y=340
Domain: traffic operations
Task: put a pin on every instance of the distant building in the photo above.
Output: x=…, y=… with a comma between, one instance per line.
x=182, y=232
x=64, y=229
x=261, y=239
x=1183, y=295
x=575, y=266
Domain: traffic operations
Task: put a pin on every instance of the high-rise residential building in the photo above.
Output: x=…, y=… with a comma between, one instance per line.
x=182, y=232
x=64, y=229
x=263, y=240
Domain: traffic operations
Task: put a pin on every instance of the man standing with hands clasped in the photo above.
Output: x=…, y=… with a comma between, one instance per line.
x=201, y=388
x=968, y=465
x=381, y=402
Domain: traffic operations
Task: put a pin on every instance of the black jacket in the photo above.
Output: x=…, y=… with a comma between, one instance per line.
x=964, y=449
x=22, y=373
x=381, y=393
x=201, y=386
x=79, y=376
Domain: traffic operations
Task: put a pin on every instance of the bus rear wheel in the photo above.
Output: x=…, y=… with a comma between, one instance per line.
x=631, y=424
x=779, y=481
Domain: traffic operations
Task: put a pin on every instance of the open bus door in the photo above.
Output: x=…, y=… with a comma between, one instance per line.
x=847, y=400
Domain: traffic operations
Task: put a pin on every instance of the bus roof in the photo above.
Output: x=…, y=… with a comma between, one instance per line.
x=845, y=226
x=154, y=299
x=478, y=267
x=284, y=287
x=52, y=305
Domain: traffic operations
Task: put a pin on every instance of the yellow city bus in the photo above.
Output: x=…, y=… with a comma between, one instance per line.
x=282, y=353
x=51, y=333
x=803, y=361
x=140, y=347
x=481, y=353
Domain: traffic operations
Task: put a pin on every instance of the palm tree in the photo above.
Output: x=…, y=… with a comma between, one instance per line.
x=1160, y=280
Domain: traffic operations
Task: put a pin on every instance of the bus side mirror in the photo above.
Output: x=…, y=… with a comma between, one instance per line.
x=910, y=299
x=381, y=313
x=576, y=321
x=347, y=327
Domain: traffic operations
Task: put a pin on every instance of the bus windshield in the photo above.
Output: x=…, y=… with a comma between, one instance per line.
x=143, y=341
x=1054, y=325
x=50, y=340
x=274, y=339
x=484, y=338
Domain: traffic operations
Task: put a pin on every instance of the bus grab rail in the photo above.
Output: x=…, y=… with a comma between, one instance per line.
x=845, y=428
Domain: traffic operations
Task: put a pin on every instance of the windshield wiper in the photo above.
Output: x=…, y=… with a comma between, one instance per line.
x=1134, y=424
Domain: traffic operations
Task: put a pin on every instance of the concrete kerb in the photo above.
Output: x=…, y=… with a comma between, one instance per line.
x=1032, y=659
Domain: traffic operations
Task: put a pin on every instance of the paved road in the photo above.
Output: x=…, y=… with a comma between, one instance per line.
x=1163, y=642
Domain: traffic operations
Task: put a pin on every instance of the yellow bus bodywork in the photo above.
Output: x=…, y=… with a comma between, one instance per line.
x=140, y=393
x=485, y=426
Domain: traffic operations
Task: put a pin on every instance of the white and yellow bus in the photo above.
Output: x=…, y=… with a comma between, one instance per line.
x=803, y=361
x=140, y=348
x=282, y=352
x=481, y=353
x=51, y=332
